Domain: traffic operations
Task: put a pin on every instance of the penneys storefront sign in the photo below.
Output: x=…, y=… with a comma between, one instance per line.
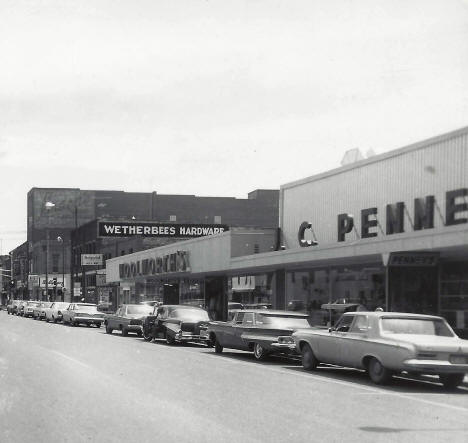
x=423, y=218
x=175, y=262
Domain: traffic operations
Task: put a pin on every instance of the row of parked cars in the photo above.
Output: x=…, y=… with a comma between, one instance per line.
x=381, y=343
x=67, y=313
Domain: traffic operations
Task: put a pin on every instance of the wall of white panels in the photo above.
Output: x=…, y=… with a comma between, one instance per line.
x=427, y=168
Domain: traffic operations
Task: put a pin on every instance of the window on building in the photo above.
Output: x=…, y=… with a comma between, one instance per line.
x=217, y=219
x=55, y=262
x=173, y=218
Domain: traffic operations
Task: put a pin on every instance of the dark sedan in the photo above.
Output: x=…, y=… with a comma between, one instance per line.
x=262, y=332
x=128, y=318
x=176, y=324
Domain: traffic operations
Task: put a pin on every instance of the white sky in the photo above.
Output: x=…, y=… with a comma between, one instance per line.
x=216, y=97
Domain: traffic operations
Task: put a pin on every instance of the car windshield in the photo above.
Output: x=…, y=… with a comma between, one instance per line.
x=86, y=308
x=418, y=326
x=61, y=305
x=283, y=322
x=34, y=303
x=189, y=314
x=143, y=310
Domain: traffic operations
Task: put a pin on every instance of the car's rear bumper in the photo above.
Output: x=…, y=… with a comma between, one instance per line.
x=434, y=366
x=134, y=328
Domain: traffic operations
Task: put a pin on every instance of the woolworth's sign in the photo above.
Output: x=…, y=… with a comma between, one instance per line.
x=175, y=262
x=150, y=229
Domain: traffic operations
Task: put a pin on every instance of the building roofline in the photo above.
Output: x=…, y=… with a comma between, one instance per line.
x=378, y=158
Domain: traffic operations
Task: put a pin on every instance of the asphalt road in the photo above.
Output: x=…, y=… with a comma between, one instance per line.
x=65, y=384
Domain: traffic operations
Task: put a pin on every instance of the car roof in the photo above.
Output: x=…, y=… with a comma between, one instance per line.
x=181, y=306
x=389, y=314
x=276, y=313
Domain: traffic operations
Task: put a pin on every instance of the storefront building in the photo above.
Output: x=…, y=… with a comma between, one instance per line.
x=191, y=272
x=389, y=231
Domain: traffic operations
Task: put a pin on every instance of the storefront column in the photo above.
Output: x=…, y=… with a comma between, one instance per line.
x=280, y=296
x=216, y=297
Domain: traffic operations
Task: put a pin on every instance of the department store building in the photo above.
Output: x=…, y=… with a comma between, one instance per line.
x=389, y=231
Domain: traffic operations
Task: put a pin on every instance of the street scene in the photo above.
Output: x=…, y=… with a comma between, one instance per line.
x=113, y=388
x=234, y=220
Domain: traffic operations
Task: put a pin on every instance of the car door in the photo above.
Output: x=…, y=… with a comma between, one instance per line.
x=161, y=317
x=246, y=326
x=66, y=313
x=123, y=318
x=112, y=320
x=354, y=343
x=329, y=345
x=226, y=331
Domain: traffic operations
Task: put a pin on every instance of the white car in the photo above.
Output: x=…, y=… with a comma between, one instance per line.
x=82, y=313
x=387, y=343
x=54, y=313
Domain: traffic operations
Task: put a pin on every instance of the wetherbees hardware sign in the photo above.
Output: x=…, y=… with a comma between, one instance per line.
x=149, y=229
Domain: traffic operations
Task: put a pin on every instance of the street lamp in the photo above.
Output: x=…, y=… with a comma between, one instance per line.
x=48, y=207
x=60, y=240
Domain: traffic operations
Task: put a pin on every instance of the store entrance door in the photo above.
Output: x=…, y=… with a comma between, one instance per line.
x=216, y=298
x=171, y=293
x=414, y=289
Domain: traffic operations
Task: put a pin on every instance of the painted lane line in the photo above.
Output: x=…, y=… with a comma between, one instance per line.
x=73, y=360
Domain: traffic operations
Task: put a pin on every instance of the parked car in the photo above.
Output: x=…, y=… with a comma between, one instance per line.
x=12, y=306
x=340, y=306
x=82, y=313
x=20, y=307
x=387, y=343
x=259, y=306
x=128, y=318
x=233, y=307
x=54, y=313
x=256, y=331
x=151, y=303
x=176, y=324
x=28, y=308
x=39, y=310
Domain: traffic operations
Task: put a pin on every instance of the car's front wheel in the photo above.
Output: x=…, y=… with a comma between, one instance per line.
x=309, y=361
x=378, y=373
x=451, y=381
x=259, y=352
x=170, y=340
x=217, y=346
x=147, y=335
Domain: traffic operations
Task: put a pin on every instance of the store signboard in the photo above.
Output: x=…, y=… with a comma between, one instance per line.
x=413, y=259
x=33, y=280
x=176, y=262
x=91, y=259
x=153, y=229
